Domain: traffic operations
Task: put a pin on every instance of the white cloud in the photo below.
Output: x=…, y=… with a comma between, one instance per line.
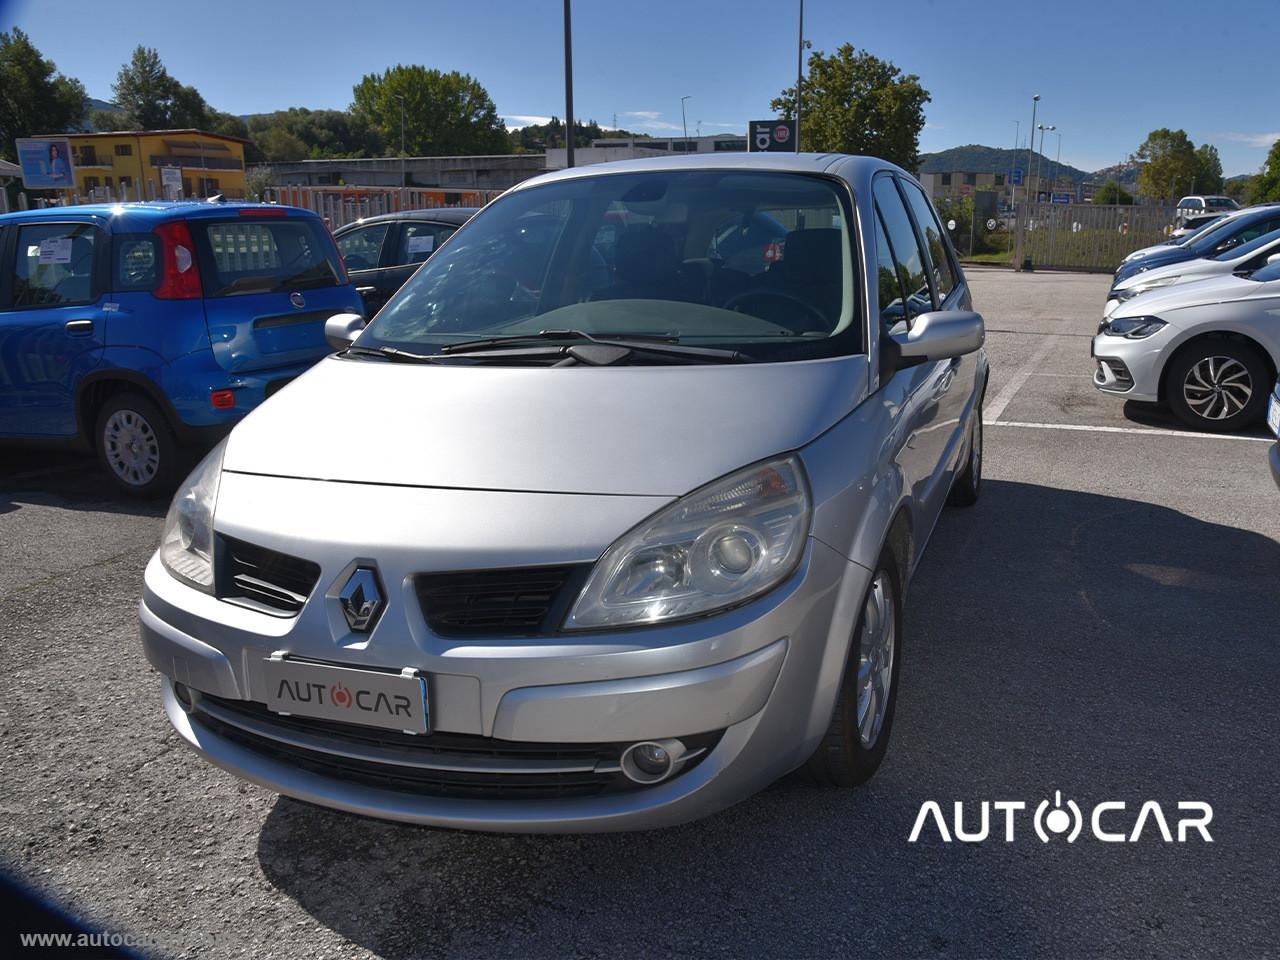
x=643, y=114
x=517, y=120
x=1261, y=140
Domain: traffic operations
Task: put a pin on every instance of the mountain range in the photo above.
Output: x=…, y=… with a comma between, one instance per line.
x=976, y=158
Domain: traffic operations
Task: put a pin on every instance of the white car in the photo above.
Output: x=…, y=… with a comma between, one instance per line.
x=1246, y=258
x=1209, y=349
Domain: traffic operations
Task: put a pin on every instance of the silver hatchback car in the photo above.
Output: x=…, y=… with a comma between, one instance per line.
x=604, y=522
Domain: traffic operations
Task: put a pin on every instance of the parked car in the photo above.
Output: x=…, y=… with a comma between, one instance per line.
x=135, y=329
x=1273, y=423
x=1209, y=349
x=1245, y=258
x=1190, y=206
x=1176, y=241
x=602, y=549
x=382, y=252
x=1219, y=238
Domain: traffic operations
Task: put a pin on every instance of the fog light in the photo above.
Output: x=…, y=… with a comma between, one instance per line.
x=184, y=696
x=652, y=760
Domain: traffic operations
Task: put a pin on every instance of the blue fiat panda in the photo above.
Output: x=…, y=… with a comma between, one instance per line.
x=139, y=329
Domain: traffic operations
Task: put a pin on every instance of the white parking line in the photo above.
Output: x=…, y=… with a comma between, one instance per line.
x=1136, y=430
x=1018, y=380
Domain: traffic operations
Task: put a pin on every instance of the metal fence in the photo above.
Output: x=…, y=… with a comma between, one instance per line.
x=1082, y=236
x=343, y=205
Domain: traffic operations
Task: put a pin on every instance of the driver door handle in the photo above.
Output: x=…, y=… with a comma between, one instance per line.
x=79, y=328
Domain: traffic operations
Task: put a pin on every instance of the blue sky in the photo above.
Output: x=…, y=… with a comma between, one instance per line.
x=1108, y=72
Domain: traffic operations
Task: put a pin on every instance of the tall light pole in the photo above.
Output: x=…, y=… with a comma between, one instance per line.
x=1042, y=128
x=685, y=123
x=799, y=73
x=1057, y=161
x=1031, y=144
x=568, y=87
x=400, y=97
x=1013, y=163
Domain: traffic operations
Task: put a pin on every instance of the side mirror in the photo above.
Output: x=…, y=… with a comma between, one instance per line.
x=342, y=328
x=939, y=335
x=1274, y=258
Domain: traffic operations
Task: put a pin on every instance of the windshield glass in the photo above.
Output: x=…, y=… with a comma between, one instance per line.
x=1205, y=242
x=1252, y=247
x=1200, y=230
x=754, y=261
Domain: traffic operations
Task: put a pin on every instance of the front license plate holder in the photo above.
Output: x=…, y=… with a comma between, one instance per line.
x=1273, y=414
x=370, y=698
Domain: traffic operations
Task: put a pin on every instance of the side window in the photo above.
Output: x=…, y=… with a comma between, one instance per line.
x=135, y=263
x=908, y=258
x=892, y=301
x=362, y=249
x=419, y=240
x=54, y=265
x=944, y=278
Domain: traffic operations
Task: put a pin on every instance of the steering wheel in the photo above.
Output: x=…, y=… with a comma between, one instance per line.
x=793, y=299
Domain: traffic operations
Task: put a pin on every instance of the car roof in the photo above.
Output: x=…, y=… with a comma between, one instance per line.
x=850, y=166
x=454, y=215
x=153, y=211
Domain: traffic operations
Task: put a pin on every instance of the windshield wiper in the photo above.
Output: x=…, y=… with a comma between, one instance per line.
x=660, y=344
x=388, y=353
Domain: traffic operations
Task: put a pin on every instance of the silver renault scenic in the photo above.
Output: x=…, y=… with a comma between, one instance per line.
x=604, y=522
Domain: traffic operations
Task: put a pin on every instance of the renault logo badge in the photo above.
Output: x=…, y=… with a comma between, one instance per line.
x=362, y=600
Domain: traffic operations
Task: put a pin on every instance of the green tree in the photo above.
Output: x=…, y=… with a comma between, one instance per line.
x=279, y=144
x=444, y=113
x=1208, y=169
x=854, y=102
x=145, y=91
x=1266, y=185
x=1240, y=189
x=1112, y=192
x=1169, y=165
x=34, y=97
x=324, y=133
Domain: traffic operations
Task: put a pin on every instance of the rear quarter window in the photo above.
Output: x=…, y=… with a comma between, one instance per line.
x=263, y=256
x=135, y=262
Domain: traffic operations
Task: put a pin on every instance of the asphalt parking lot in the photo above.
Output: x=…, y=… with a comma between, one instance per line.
x=1103, y=623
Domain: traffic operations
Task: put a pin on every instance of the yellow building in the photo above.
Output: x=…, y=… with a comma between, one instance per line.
x=210, y=163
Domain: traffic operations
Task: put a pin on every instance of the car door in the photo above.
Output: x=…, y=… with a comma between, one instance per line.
x=906, y=291
x=957, y=378
x=52, y=321
x=411, y=243
x=362, y=250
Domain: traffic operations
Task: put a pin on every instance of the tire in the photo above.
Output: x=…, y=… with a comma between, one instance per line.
x=967, y=486
x=846, y=757
x=1218, y=385
x=136, y=446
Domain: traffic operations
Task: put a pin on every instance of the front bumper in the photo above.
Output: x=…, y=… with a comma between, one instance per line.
x=1274, y=457
x=759, y=681
x=1130, y=368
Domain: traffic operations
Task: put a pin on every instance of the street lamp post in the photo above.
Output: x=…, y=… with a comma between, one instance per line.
x=568, y=87
x=685, y=123
x=799, y=73
x=400, y=97
x=1043, y=129
x=1057, y=161
x=1031, y=143
x=1013, y=163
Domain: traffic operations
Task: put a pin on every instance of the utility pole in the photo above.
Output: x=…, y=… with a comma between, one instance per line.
x=1031, y=145
x=799, y=73
x=400, y=97
x=685, y=123
x=568, y=86
x=1013, y=164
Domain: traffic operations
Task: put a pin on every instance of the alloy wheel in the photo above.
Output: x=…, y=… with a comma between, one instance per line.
x=131, y=447
x=875, y=664
x=1217, y=387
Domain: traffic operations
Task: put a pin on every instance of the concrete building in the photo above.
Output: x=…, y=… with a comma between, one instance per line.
x=210, y=163
x=497, y=172
x=622, y=148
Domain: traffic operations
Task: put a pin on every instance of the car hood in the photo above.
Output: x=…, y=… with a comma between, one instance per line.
x=1179, y=268
x=637, y=430
x=1195, y=293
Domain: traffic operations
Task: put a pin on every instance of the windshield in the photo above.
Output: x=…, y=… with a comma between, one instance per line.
x=1198, y=230
x=1202, y=243
x=1270, y=272
x=753, y=261
x=1252, y=247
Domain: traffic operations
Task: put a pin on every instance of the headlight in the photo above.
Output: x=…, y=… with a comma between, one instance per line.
x=186, y=544
x=1133, y=328
x=716, y=547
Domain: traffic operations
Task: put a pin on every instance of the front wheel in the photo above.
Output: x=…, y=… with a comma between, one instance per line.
x=858, y=735
x=1218, y=385
x=136, y=446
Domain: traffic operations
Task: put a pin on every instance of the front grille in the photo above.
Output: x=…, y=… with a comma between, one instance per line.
x=436, y=764
x=264, y=580
x=521, y=601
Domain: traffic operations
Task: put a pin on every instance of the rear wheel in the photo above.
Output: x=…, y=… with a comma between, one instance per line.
x=136, y=445
x=1218, y=385
x=858, y=736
